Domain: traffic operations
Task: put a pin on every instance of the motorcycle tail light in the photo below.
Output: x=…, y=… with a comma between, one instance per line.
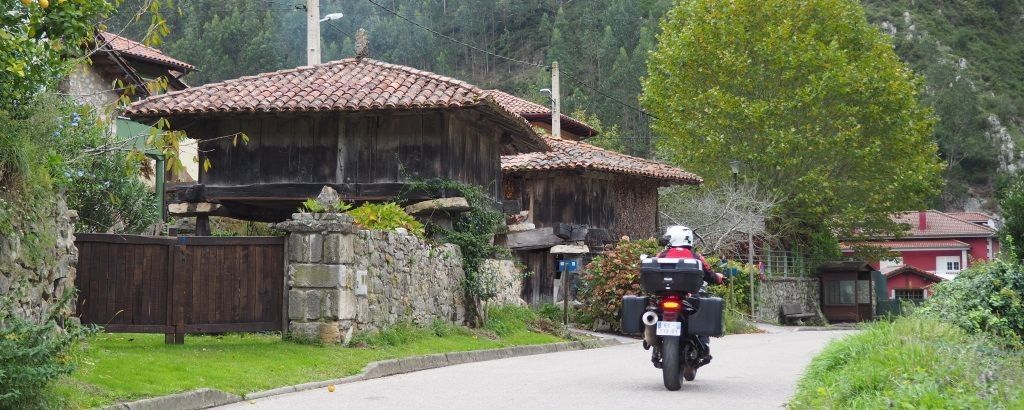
x=670, y=306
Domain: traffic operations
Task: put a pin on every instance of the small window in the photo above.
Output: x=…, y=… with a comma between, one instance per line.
x=947, y=264
x=910, y=294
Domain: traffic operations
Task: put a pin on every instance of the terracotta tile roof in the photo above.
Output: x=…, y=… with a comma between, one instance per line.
x=351, y=84
x=912, y=244
x=533, y=111
x=940, y=224
x=141, y=51
x=976, y=217
x=899, y=270
x=567, y=154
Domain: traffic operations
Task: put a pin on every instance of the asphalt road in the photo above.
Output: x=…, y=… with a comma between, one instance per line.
x=756, y=371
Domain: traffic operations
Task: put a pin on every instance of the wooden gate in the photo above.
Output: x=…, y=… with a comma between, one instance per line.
x=179, y=285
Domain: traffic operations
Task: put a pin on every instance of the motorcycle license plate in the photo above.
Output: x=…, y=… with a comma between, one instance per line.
x=669, y=329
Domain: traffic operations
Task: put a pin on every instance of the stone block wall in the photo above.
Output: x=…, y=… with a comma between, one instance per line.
x=37, y=261
x=774, y=292
x=342, y=279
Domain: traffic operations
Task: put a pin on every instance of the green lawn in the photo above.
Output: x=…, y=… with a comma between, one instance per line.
x=119, y=367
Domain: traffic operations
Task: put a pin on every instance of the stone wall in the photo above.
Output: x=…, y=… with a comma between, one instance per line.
x=774, y=292
x=508, y=278
x=342, y=279
x=37, y=260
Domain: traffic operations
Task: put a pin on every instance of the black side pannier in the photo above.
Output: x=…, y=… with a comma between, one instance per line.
x=633, y=307
x=671, y=274
x=709, y=320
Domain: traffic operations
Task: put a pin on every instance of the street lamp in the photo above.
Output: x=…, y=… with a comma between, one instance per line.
x=735, y=166
x=332, y=16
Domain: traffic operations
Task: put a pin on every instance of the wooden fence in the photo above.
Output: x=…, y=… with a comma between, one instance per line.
x=179, y=285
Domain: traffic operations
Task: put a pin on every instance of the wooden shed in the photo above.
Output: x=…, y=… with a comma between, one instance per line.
x=364, y=127
x=847, y=291
x=576, y=192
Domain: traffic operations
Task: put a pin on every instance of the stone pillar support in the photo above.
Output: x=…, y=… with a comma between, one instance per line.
x=322, y=301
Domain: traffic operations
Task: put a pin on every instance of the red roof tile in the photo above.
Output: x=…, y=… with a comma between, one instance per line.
x=533, y=111
x=914, y=270
x=567, y=154
x=912, y=244
x=940, y=224
x=976, y=217
x=141, y=51
x=351, y=84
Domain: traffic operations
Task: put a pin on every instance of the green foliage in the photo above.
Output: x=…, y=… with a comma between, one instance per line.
x=385, y=217
x=35, y=42
x=405, y=333
x=34, y=355
x=1012, y=231
x=611, y=276
x=737, y=291
x=986, y=297
x=808, y=95
x=509, y=320
x=912, y=362
x=967, y=52
x=313, y=206
x=473, y=232
x=103, y=185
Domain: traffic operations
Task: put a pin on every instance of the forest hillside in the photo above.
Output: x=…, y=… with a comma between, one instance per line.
x=969, y=53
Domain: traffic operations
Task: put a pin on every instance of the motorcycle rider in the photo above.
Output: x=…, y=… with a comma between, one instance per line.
x=680, y=245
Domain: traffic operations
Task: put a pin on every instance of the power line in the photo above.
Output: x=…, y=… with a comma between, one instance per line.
x=452, y=39
x=580, y=82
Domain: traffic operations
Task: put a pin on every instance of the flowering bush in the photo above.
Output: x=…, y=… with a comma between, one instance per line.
x=613, y=275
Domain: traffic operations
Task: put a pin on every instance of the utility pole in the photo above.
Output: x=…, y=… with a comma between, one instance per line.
x=750, y=261
x=312, y=32
x=556, y=103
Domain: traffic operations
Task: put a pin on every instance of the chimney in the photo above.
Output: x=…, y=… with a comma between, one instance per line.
x=922, y=220
x=362, y=44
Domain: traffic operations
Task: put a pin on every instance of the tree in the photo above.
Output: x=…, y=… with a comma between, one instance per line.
x=723, y=215
x=808, y=95
x=1012, y=231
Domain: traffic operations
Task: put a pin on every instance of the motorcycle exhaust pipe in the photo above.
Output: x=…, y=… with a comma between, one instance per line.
x=649, y=318
x=650, y=337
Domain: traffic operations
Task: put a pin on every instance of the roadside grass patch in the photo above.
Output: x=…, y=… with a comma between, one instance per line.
x=912, y=362
x=125, y=367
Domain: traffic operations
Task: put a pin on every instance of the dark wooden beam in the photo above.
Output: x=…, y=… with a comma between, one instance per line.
x=352, y=192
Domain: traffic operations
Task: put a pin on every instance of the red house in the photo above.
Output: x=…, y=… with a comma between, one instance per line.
x=937, y=246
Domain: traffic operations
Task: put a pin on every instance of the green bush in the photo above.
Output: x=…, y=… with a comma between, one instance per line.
x=913, y=362
x=385, y=217
x=33, y=355
x=611, y=276
x=987, y=297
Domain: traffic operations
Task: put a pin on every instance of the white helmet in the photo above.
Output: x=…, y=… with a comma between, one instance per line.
x=679, y=235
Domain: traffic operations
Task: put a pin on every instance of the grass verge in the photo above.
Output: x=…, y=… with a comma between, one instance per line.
x=124, y=367
x=912, y=362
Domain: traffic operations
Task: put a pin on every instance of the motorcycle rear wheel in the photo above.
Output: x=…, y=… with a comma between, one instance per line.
x=670, y=362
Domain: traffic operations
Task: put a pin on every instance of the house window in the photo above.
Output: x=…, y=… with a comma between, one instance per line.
x=841, y=292
x=910, y=294
x=947, y=264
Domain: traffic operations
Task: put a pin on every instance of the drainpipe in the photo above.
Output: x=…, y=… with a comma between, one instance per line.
x=161, y=167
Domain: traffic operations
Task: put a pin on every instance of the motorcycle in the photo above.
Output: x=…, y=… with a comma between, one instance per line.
x=675, y=319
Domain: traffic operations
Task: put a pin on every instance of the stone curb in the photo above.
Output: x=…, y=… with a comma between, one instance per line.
x=195, y=399
x=206, y=398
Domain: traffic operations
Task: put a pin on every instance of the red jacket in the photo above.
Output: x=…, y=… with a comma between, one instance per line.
x=673, y=252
